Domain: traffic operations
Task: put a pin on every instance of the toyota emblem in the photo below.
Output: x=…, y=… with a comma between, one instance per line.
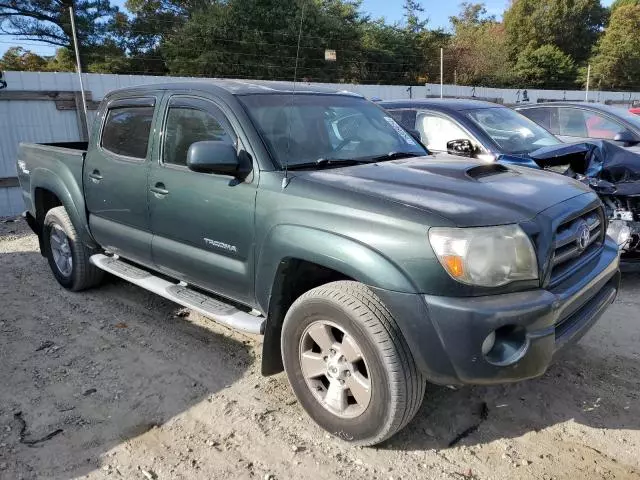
x=584, y=235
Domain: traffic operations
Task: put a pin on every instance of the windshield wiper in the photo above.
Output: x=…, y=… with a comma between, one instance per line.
x=394, y=156
x=327, y=163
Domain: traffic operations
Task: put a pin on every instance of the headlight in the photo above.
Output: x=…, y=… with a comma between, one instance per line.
x=619, y=230
x=486, y=256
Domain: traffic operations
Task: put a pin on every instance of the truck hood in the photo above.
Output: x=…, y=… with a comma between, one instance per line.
x=464, y=191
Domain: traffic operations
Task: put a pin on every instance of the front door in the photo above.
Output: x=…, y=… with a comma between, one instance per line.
x=203, y=224
x=115, y=178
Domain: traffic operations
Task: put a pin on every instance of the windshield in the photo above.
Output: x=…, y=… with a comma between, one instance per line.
x=307, y=128
x=513, y=132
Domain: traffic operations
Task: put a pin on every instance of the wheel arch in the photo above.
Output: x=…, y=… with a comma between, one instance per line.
x=50, y=191
x=296, y=259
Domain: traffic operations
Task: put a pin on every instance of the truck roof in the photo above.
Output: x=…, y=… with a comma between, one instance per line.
x=234, y=87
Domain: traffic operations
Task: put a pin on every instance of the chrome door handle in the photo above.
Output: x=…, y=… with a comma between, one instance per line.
x=159, y=189
x=95, y=176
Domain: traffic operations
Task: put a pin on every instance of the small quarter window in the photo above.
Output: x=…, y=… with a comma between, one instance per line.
x=126, y=131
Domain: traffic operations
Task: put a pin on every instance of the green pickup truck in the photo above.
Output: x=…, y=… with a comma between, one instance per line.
x=311, y=217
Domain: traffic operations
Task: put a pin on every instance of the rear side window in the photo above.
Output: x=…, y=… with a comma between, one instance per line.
x=126, y=131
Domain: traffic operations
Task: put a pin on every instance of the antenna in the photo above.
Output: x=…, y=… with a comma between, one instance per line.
x=285, y=180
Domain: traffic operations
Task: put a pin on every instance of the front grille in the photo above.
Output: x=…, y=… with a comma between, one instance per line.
x=572, y=246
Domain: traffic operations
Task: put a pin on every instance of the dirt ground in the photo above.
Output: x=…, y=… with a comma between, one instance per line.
x=119, y=383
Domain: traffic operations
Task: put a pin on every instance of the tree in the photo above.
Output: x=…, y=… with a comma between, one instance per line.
x=48, y=21
x=619, y=3
x=571, y=25
x=545, y=66
x=18, y=59
x=63, y=61
x=477, y=51
x=412, y=10
x=258, y=39
x=616, y=63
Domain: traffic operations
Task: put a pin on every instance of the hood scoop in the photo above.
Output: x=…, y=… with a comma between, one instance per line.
x=488, y=170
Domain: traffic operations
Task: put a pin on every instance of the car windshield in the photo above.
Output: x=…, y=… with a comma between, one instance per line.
x=314, y=128
x=513, y=132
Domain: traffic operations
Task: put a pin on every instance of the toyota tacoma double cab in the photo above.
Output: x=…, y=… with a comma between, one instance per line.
x=311, y=217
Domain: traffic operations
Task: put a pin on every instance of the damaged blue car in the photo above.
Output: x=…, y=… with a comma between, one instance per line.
x=495, y=133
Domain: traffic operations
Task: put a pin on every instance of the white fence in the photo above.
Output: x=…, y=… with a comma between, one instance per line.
x=43, y=107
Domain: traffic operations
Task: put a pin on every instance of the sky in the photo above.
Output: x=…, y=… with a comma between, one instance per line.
x=437, y=11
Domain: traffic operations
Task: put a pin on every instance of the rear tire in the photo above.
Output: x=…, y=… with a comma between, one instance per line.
x=68, y=256
x=368, y=387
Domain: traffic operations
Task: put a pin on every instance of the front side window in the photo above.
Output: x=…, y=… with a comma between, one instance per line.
x=126, y=131
x=512, y=132
x=309, y=128
x=436, y=131
x=187, y=125
x=542, y=116
x=405, y=117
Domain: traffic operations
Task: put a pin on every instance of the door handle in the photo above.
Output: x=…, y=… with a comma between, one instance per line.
x=159, y=189
x=95, y=176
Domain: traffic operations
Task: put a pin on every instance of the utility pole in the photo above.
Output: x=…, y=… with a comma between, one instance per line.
x=79, y=67
x=441, y=71
x=586, y=93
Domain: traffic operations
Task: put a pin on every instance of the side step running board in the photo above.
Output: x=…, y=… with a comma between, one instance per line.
x=209, y=307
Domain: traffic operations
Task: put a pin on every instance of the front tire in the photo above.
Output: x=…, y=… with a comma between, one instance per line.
x=68, y=256
x=349, y=364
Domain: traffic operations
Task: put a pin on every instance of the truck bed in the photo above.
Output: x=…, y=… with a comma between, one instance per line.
x=39, y=161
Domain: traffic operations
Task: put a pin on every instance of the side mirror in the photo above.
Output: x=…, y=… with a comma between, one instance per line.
x=462, y=148
x=213, y=157
x=626, y=137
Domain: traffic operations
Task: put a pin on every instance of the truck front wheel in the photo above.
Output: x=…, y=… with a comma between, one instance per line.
x=349, y=364
x=68, y=256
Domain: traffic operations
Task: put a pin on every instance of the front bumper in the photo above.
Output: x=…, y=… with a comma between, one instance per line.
x=445, y=334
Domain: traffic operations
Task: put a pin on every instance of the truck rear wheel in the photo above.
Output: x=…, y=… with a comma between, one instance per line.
x=349, y=364
x=68, y=256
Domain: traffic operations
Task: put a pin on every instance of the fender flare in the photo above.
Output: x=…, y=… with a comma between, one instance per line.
x=328, y=249
x=70, y=195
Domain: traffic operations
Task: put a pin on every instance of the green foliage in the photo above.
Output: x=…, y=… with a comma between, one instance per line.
x=616, y=63
x=19, y=59
x=48, y=20
x=412, y=10
x=572, y=26
x=63, y=61
x=544, y=43
x=477, y=52
x=545, y=66
x=619, y=3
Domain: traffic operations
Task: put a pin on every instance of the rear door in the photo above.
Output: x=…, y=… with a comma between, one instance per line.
x=203, y=223
x=115, y=177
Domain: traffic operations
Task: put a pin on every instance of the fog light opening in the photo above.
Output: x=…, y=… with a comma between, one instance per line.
x=506, y=345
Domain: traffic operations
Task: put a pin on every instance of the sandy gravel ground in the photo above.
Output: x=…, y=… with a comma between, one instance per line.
x=128, y=385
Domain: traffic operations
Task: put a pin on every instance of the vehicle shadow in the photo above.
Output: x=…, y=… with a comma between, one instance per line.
x=97, y=368
x=594, y=383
